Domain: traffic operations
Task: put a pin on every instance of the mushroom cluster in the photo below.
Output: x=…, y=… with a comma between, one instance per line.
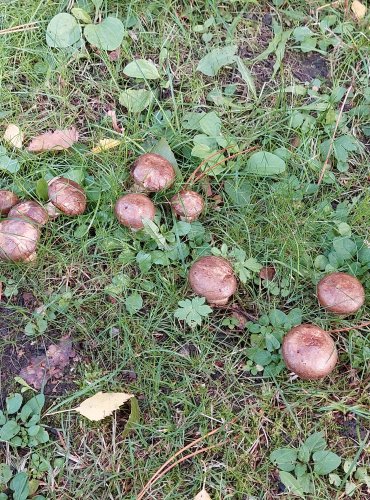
x=20, y=232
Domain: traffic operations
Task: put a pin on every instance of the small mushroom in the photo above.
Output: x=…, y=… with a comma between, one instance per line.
x=309, y=352
x=340, y=293
x=18, y=240
x=30, y=211
x=152, y=172
x=66, y=195
x=131, y=209
x=213, y=278
x=7, y=200
x=188, y=205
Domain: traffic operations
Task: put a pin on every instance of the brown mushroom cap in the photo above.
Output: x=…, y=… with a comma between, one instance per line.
x=187, y=205
x=309, y=352
x=131, y=209
x=340, y=293
x=152, y=172
x=18, y=240
x=30, y=211
x=7, y=200
x=213, y=278
x=68, y=196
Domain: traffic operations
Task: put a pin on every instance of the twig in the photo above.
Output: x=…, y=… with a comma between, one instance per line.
x=325, y=166
x=20, y=28
x=331, y=4
x=358, y=327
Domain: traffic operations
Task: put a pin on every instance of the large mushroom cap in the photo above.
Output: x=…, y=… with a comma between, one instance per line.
x=68, y=196
x=7, y=200
x=309, y=352
x=131, y=209
x=213, y=278
x=152, y=172
x=30, y=211
x=18, y=240
x=340, y=293
x=187, y=205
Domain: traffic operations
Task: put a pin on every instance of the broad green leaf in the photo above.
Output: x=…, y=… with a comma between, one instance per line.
x=345, y=248
x=108, y=35
x=211, y=63
x=5, y=474
x=284, y=458
x=350, y=488
x=192, y=311
x=292, y=483
x=81, y=15
x=136, y=100
x=252, y=264
x=133, y=419
x=335, y=480
x=239, y=191
x=210, y=124
x=152, y=230
x=9, y=430
x=295, y=316
x=190, y=120
x=246, y=75
x=19, y=485
x=144, y=260
x=163, y=148
x=133, y=303
x=141, y=68
x=277, y=318
x=13, y=403
x=62, y=31
x=325, y=462
x=42, y=189
x=264, y=163
x=32, y=407
x=315, y=442
x=259, y=356
x=8, y=164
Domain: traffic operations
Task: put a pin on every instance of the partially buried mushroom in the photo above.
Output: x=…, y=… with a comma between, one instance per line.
x=67, y=196
x=30, y=211
x=340, y=293
x=131, y=209
x=213, y=278
x=187, y=205
x=18, y=240
x=7, y=200
x=153, y=172
x=309, y=352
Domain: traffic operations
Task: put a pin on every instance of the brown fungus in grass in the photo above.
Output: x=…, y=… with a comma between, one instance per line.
x=7, y=200
x=309, y=352
x=187, y=205
x=18, y=240
x=152, y=172
x=29, y=211
x=213, y=278
x=340, y=293
x=67, y=196
x=131, y=209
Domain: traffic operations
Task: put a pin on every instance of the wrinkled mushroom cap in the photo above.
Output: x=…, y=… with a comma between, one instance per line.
x=30, y=211
x=18, y=240
x=213, y=278
x=131, y=209
x=340, y=293
x=68, y=196
x=309, y=352
x=187, y=205
x=152, y=172
x=7, y=200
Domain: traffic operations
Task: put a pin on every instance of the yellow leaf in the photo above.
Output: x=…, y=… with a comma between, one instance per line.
x=105, y=144
x=14, y=135
x=202, y=495
x=102, y=404
x=359, y=9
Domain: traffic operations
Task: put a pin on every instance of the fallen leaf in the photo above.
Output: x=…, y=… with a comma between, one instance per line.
x=14, y=135
x=48, y=366
x=105, y=144
x=359, y=9
x=54, y=141
x=112, y=114
x=267, y=273
x=202, y=495
x=102, y=404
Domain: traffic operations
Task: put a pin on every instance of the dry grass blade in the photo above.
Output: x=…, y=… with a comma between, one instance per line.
x=192, y=176
x=20, y=28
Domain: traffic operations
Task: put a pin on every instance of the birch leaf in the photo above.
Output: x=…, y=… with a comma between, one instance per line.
x=102, y=404
x=202, y=495
x=54, y=141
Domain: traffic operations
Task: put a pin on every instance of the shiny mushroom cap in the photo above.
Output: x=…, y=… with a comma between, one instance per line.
x=340, y=293
x=7, y=200
x=187, y=205
x=131, y=209
x=213, y=278
x=309, y=352
x=30, y=211
x=68, y=196
x=152, y=172
x=18, y=240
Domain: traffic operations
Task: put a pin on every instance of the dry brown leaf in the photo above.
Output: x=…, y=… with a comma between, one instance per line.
x=202, y=495
x=102, y=404
x=54, y=141
x=105, y=144
x=359, y=9
x=14, y=135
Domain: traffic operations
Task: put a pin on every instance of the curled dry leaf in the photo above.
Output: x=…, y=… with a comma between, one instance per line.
x=102, y=404
x=202, y=495
x=14, y=135
x=54, y=141
x=267, y=273
x=359, y=9
x=105, y=144
x=49, y=366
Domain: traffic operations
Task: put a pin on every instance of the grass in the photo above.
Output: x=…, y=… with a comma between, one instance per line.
x=187, y=381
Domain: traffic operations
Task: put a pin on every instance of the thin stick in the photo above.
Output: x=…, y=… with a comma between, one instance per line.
x=358, y=327
x=332, y=4
x=20, y=28
x=325, y=166
x=220, y=151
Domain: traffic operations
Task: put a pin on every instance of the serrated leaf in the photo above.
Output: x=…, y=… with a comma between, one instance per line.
x=211, y=63
x=14, y=136
x=141, y=68
x=102, y=405
x=325, y=462
x=62, y=31
x=284, y=458
x=202, y=495
x=291, y=483
x=264, y=163
x=246, y=75
x=136, y=100
x=108, y=35
x=134, y=303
